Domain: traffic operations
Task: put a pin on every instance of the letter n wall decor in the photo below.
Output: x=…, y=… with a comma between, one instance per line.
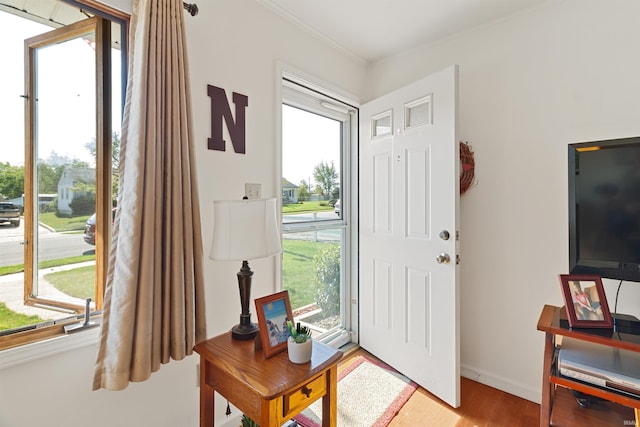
x=220, y=110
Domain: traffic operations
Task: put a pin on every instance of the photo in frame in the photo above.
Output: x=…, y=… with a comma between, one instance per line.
x=273, y=313
x=585, y=301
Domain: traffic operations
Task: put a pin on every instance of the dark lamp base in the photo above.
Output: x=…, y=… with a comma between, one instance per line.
x=244, y=332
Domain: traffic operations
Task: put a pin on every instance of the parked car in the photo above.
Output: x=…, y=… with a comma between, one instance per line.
x=90, y=227
x=9, y=213
x=336, y=207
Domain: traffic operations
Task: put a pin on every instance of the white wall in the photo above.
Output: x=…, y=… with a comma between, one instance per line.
x=235, y=45
x=529, y=85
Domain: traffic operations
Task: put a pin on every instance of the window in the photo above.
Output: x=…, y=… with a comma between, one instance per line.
x=317, y=131
x=70, y=79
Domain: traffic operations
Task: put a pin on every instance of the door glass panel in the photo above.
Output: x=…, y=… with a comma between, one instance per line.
x=312, y=217
x=381, y=124
x=418, y=112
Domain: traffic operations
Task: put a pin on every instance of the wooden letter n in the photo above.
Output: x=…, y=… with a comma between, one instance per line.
x=220, y=109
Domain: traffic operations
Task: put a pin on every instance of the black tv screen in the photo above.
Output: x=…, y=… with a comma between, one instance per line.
x=604, y=208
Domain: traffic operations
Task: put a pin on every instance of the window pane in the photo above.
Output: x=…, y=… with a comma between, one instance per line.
x=418, y=113
x=13, y=312
x=65, y=129
x=311, y=272
x=314, y=228
x=311, y=147
x=63, y=142
x=381, y=124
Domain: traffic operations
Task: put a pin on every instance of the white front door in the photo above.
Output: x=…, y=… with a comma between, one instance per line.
x=409, y=192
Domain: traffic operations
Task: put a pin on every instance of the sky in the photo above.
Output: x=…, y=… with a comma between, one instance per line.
x=12, y=85
x=307, y=139
x=66, y=94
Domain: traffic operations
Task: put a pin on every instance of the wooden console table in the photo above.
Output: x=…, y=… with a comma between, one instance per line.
x=553, y=322
x=269, y=391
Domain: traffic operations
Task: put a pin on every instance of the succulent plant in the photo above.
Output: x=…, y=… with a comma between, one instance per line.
x=248, y=422
x=299, y=333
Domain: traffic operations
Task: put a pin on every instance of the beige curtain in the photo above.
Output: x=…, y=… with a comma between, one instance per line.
x=154, y=302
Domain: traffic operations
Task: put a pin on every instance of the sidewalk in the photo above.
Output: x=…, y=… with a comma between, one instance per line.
x=12, y=293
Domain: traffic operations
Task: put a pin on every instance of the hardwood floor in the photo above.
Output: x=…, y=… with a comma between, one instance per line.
x=486, y=406
x=481, y=406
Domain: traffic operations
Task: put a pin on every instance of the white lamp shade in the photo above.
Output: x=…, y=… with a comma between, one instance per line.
x=245, y=229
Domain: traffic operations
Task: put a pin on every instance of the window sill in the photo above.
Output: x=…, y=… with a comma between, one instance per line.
x=39, y=350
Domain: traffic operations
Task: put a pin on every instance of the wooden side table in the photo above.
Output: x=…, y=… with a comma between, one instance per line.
x=269, y=391
x=553, y=323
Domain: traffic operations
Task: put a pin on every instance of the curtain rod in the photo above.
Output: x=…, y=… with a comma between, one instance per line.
x=192, y=8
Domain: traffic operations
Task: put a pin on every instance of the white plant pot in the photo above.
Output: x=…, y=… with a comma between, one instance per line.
x=299, y=352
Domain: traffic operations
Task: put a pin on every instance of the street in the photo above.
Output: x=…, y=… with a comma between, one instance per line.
x=310, y=216
x=52, y=245
x=62, y=245
x=326, y=234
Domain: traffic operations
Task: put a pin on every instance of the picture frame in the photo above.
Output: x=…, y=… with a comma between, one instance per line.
x=273, y=312
x=585, y=301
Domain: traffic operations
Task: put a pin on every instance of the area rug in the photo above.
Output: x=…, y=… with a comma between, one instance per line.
x=370, y=394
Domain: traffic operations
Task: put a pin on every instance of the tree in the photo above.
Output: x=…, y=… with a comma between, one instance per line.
x=115, y=151
x=326, y=176
x=115, y=160
x=48, y=177
x=303, y=191
x=11, y=180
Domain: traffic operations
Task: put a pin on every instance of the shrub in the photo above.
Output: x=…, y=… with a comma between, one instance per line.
x=327, y=281
x=52, y=206
x=83, y=204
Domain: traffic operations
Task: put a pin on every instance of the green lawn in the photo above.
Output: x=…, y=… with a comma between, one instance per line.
x=61, y=223
x=10, y=269
x=10, y=319
x=316, y=206
x=298, y=275
x=78, y=283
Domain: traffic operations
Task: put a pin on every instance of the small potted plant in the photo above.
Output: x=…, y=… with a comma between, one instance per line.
x=299, y=343
x=248, y=422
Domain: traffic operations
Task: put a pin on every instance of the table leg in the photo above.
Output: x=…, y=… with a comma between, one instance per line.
x=271, y=412
x=547, y=392
x=206, y=398
x=330, y=399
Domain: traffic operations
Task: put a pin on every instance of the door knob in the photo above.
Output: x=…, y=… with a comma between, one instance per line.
x=443, y=258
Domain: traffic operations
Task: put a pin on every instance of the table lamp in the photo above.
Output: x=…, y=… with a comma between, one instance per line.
x=243, y=230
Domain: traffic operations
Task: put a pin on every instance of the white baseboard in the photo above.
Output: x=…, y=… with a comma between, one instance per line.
x=508, y=386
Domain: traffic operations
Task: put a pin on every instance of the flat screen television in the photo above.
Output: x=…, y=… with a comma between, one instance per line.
x=604, y=208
